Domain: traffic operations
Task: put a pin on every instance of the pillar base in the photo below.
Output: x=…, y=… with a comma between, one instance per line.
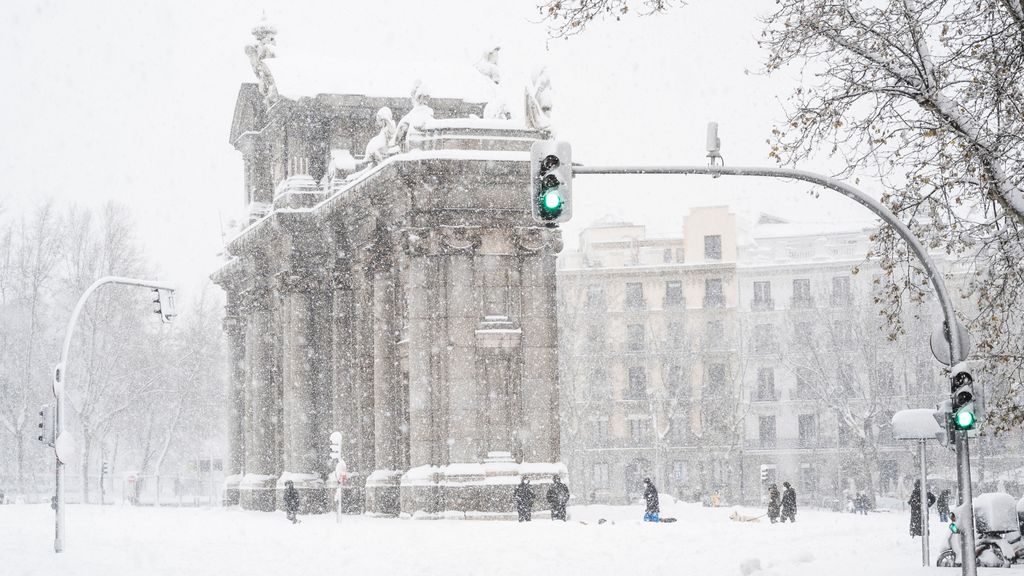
x=353, y=494
x=231, y=494
x=382, y=492
x=314, y=498
x=256, y=492
x=472, y=490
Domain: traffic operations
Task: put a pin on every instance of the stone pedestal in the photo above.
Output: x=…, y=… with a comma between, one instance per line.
x=257, y=492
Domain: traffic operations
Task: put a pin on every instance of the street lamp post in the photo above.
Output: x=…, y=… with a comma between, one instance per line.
x=64, y=444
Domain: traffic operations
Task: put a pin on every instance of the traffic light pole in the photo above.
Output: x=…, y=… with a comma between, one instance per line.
x=934, y=277
x=64, y=444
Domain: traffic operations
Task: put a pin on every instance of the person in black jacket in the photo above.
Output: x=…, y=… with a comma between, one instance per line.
x=523, y=498
x=291, y=501
x=943, y=506
x=915, y=508
x=773, y=503
x=558, y=497
x=651, y=500
x=788, y=503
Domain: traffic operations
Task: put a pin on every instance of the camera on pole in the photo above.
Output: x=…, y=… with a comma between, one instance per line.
x=551, y=181
x=163, y=301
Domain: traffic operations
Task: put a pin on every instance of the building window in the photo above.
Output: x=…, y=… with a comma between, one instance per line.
x=763, y=296
x=634, y=295
x=666, y=255
x=843, y=434
x=600, y=475
x=635, y=337
x=595, y=298
x=804, y=384
x=599, y=382
x=716, y=376
x=680, y=255
x=846, y=379
x=808, y=479
x=766, y=431
x=803, y=331
x=714, y=333
x=600, y=430
x=766, y=384
x=764, y=338
x=841, y=295
x=882, y=377
x=713, y=247
x=595, y=338
x=843, y=332
x=674, y=380
x=637, y=383
x=640, y=429
x=675, y=335
x=714, y=297
x=678, y=472
x=802, y=293
x=807, y=431
x=673, y=293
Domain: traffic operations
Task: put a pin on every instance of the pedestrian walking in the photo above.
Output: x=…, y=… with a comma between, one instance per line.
x=291, y=501
x=943, y=506
x=558, y=498
x=915, y=508
x=653, y=511
x=773, y=503
x=523, y=497
x=788, y=503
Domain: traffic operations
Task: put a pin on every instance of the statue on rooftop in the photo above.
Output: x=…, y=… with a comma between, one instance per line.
x=538, y=100
x=266, y=42
x=378, y=148
x=488, y=66
x=420, y=113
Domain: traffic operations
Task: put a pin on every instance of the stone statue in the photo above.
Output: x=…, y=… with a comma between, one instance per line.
x=378, y=147
x=266, y=41
x=488, y=66
x=538, y=100
x=420, y=113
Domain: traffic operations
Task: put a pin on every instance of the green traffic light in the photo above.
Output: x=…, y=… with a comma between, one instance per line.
x=964, y=419
x=953, y=527
x=552, y=200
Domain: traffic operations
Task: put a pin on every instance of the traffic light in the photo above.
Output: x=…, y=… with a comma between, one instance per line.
x=764, y=474
x=104, y=470
x=944, y=416
x=551, y=181
x=164, y=304
x=48, y=425
x=336, y=445
x=962, y=398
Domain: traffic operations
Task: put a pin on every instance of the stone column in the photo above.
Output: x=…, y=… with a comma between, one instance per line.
x=303, y=360
x=234, y=327
x=539, y=427
x=256, y=489
x=425, y=421
x=346, y=406
x=462, y=296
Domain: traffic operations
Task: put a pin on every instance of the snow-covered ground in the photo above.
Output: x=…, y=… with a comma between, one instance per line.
x=122, y=540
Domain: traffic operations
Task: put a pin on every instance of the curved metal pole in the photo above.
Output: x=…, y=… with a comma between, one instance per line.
x=59, y=379
x=934, y=277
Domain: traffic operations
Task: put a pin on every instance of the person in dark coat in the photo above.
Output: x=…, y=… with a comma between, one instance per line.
x=523, y=497
x=291, y=501
x=651, y=500
x=915, y=508
x=558, y=497
x=773, y=503
x=788, y=503
x=943, y=506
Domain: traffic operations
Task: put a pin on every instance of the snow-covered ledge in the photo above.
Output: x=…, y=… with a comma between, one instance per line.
x=474, y=134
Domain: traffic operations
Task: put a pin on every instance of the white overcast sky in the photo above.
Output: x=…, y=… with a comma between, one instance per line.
x=132, y=101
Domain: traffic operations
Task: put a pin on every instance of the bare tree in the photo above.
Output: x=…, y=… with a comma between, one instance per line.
x=927, y=97
x=569, y=17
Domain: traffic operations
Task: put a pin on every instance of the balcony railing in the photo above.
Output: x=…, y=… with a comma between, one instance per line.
x=801, y=302
x=636, y=304
x=766, y=396
x=761, y=304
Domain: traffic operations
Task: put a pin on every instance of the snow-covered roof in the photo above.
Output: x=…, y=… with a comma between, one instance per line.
x=298, y=77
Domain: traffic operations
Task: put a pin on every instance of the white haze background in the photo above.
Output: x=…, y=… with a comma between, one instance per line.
x=133, y=102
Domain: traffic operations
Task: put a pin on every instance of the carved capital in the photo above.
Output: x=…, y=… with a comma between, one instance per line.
x=463, y=240
x=535, y=239
x=415, y=241
x=292, y=281
x=253, y=299
x=234, y=326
